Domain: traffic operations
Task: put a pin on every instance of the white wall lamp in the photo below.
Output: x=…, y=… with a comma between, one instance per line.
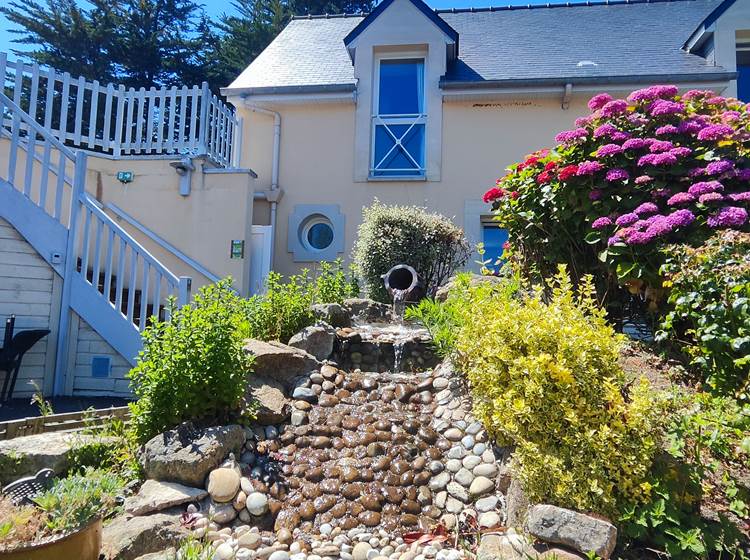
x=184, y=169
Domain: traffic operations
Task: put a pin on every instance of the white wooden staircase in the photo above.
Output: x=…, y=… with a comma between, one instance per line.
x=109, y=279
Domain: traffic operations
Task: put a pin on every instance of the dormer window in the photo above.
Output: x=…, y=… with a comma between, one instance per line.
x=399, y=117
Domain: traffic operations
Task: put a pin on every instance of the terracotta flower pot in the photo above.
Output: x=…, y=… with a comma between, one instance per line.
x=83, y=544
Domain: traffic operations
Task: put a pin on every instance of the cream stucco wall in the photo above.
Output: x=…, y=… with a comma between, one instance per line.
x=479, y=139
x=202, y=225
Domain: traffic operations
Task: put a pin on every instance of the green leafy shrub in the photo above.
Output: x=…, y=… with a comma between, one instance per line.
x=286, y=307
x=76, y=500
x=440, y=318
x=391, y=235
x=707, y=439
x=710, y=315
x=192, y=367
x=545, y=378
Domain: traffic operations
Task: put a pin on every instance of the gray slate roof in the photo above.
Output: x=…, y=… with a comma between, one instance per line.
x=630, y=40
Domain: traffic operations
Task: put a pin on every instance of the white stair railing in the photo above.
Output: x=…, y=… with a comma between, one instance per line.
x=122, y=123
x=102, y=254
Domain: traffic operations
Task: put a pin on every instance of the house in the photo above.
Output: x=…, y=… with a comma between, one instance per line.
x=113, y=199
x=415, y=106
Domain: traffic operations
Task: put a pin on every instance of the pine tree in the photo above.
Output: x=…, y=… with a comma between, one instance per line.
x=65, y=36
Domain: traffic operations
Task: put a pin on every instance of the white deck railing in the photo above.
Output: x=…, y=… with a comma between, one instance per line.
x=122, y=122
x=99, y=251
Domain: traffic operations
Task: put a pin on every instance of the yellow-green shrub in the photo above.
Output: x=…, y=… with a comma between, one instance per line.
x=544, y=373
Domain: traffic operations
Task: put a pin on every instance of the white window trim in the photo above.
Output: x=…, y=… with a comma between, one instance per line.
x=411, y=119
x=308, y=224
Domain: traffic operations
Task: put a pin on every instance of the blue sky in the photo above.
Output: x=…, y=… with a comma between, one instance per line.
x=216, y=7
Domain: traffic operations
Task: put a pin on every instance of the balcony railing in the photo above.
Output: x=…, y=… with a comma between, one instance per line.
x=124, y=122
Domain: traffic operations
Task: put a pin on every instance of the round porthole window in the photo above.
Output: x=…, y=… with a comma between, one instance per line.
x=317, y=233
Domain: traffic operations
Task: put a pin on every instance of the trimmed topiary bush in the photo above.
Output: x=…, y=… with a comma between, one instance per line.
x=545, y=379
x=634, y=176
x=391, y=235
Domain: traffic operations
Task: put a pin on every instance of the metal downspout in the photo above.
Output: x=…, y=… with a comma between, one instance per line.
x=274, y=167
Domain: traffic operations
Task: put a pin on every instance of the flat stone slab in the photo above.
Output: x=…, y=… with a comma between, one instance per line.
x=578, y=531
x=26, y=455
x=278, y=361
x=156, y=496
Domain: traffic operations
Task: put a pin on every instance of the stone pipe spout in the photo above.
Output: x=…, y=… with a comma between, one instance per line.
x=400, y=281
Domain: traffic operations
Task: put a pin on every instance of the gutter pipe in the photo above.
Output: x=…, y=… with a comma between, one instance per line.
x=274, y=167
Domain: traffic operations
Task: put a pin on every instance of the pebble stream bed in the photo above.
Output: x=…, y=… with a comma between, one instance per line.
x=367, y=457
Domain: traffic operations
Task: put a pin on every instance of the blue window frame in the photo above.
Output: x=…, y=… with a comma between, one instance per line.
x=493, y=238
x=398, y=144
x=743, y=73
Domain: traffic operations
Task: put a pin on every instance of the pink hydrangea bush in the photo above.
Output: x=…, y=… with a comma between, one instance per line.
x=630, y=178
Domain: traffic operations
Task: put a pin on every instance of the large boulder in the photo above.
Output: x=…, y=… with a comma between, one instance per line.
x=277, y=361
x=316, y=340
x=127, y=538
x=368, y=310
x=156, y=496
x=333, y=314
x=578, y=531
x=186, y=454
x=270, y=397
x=26, y=455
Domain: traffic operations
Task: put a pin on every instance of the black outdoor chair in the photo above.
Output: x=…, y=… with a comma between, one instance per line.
x=12, y=352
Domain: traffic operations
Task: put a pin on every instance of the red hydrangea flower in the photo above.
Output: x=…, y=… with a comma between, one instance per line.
x=493, y=194
x=567, y=172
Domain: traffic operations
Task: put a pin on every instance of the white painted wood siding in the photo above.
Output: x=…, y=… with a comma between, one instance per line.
x=28, y=290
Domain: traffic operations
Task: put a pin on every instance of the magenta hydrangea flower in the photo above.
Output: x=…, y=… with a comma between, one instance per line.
x=582, y=122
x=602, y=223
x=663, y=107
x=635, y=144
x=666, y=130
x=719, y=167
x=643, y=180
x=710, y=197
x=743, y=174
x=661, y=225
x=661, y=193
x=589, y=168
x=729, y=216
x=612, y=240
x=680, y=198
x=619, y=136
x=696, y=172
x=639, y=238
x=614, y=107
x=681, y=218
x=646, y=208
x=697, y=94
x=690, y=126
x=627, y=219
x=664, y=158
x=716, y=100
x=599, y=101
x=603, y=130
x=609, y=150
x=653, y=92
x=681, y=151
x=730, y=116
x=657, y=146
x=569, y=136
x=740, y=196
x=617, y=174
x=703, y=187
x=595, y=194
x=715, y=132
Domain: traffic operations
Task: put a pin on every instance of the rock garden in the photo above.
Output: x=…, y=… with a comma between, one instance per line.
x=507, y=415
